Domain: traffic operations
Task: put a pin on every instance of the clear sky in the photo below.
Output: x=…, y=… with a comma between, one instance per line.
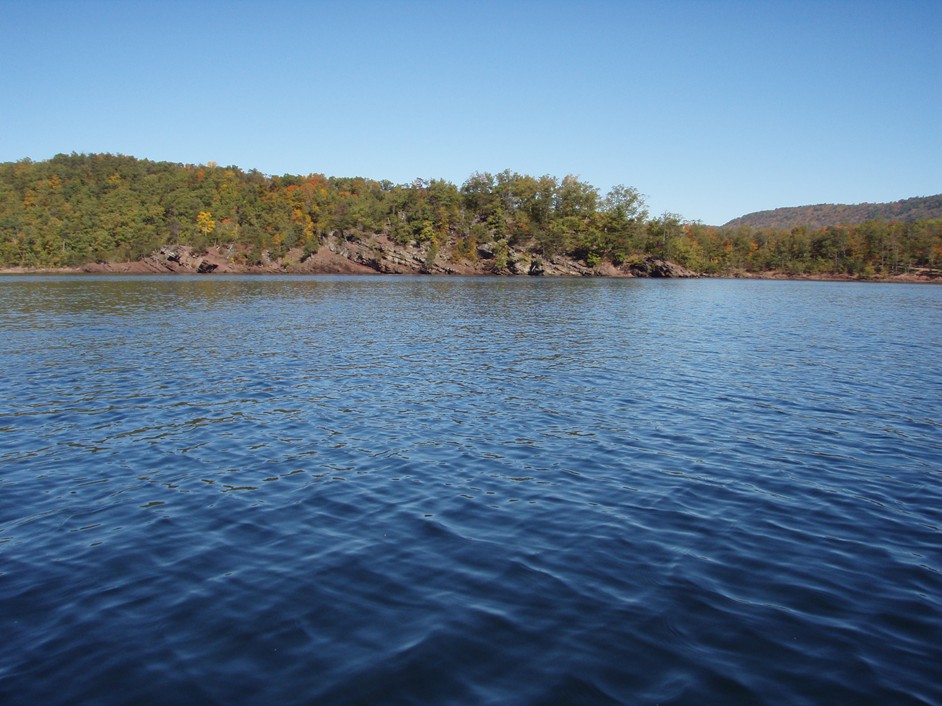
x=710, y=109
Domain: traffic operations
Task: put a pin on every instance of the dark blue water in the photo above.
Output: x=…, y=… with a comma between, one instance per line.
x=469, y=491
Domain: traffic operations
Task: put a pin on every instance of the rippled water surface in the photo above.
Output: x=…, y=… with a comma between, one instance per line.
x=469, y=491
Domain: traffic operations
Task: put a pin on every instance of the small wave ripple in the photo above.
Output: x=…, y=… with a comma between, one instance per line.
x=420, y=490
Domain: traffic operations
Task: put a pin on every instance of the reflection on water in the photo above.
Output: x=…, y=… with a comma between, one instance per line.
x=424, y=490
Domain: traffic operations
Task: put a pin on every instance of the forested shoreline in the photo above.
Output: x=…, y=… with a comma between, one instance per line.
x=77, y=209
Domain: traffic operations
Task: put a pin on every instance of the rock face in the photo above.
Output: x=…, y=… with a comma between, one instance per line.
x=365, y=254
x=656, y=267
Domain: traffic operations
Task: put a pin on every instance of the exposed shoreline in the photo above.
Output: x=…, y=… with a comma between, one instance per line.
x=340, y=257
x=130, y=269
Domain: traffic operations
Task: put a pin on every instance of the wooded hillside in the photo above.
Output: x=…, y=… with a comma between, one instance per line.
x=76, y=209
x=922, y=208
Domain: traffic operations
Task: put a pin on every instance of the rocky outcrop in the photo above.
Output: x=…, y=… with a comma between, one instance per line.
x=656, y=267
x=377, y=253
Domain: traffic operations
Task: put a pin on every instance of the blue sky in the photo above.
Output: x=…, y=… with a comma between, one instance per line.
x=710, y=109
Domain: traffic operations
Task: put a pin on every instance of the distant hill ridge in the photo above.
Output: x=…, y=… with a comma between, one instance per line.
x=921, y=208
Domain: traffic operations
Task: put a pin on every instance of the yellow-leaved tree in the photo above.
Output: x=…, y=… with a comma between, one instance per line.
x=205, y=223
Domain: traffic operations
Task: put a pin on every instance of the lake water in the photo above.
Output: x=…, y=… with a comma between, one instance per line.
x=469, y=491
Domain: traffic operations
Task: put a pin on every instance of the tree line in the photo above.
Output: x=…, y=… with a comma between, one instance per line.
x=77, y=208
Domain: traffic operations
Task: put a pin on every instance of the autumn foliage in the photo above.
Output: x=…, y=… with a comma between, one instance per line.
x=75, y=209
